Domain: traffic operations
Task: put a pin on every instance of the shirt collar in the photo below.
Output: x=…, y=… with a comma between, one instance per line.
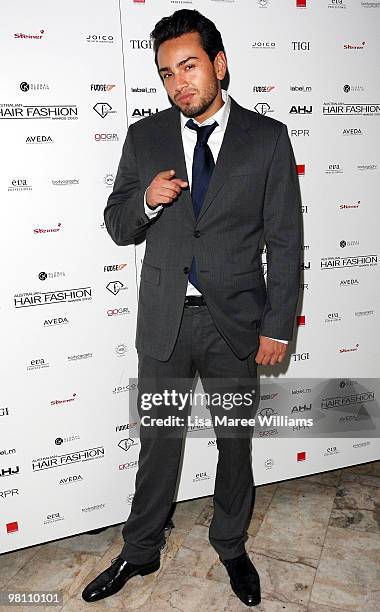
x=221, y=116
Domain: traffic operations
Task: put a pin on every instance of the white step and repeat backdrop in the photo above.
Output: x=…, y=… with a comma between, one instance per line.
x=73, y=77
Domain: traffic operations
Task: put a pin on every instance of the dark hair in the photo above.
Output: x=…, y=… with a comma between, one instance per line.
x=186, y=21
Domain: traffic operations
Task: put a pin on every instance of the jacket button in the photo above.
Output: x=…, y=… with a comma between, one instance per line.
x=197, y=233
x=186, y=270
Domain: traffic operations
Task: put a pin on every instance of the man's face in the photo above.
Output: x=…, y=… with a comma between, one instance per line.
x=190, y=78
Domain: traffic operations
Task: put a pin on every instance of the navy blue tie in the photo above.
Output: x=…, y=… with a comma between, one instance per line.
x=203, y=166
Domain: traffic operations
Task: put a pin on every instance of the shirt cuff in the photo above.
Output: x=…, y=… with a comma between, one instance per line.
x=148, y=211
x=277, y=340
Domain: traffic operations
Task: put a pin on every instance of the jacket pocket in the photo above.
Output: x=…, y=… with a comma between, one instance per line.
x=150, y=274
x=247, y=280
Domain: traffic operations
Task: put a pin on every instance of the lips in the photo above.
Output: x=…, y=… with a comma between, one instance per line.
x=185, y=97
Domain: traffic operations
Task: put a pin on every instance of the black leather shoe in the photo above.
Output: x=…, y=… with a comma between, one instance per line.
x=244, y=579
x=114, y=578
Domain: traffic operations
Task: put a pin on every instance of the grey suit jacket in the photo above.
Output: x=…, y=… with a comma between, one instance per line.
x=253, y=192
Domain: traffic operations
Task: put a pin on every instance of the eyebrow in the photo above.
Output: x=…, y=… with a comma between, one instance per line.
x=166, y=68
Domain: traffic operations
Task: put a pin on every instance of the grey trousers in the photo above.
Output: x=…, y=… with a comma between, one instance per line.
x=199, y=347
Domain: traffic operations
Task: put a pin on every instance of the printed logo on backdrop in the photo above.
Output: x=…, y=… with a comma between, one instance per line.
x=114, y=267
x=53, y=518
x=115, y=287
x=24, y=86
x=139, y=113
x=346, y=206
x=68, y=400
x=106, y=137
x=4, y=411
x=263, y=108
x=19, y=184
x=102, y=86
x=123, y=389
x=71, y=479
x=333, y=317
x=27, y=299
x=301, y=110
x=348, y=88
x=39, y=140
x=8, y=493
x=349, y=349
x=344, y=243
x=147, y=90
x=364, y=167
x=121, y=350
x=334, y=169
x=301, y=4
x=103, y=109
x=115, y=312
x=300, y=88
x=201, y=476
x=300, y=45
x=64, y=182
x=268, y=463
x=301, y=169
x=59, y=441
x=352, y=132
x=14, y=470
x=49, y=275
x=100, y=38
x=354, y=47
x=349, y=282
x=128, y=466
x=93, y=508
x=37, y=364
x=79, y=357
x=30, y=36
x=301, y=356
x=298, y=133
x=53, y=461
x=345, y=108
x=7, y=451
x=144, y=43
x=263, y=45
x=127, y=443
x=109, y=179
x=262, y=88
x=48, y=230
x=336, y=4
x=357, y=261
x=263, y=3
x=125, y=426
x=30, y=111
x=364, y=313
x=56, y=321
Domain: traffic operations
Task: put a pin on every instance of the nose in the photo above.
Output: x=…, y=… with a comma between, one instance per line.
x=180, y=82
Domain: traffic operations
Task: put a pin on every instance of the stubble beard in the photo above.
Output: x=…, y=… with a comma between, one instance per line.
x=194, y=110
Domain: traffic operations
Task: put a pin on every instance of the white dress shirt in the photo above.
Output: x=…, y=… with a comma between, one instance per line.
x=189, y=139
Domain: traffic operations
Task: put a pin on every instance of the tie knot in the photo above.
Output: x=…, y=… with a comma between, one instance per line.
x=203, y=131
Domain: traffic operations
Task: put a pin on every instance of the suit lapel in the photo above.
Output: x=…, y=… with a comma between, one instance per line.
x=232, y=152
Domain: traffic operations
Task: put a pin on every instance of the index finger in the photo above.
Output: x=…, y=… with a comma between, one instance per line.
x=166, y=174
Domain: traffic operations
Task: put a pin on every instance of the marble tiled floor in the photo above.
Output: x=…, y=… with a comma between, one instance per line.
x=315, y=542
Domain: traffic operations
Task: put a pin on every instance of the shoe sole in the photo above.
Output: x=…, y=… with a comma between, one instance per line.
x=149, y=569
x=255, y=602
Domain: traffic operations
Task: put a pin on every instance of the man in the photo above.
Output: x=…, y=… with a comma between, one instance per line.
x=203, y=182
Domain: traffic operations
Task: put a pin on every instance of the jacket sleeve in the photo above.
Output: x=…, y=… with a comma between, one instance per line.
x=282, y=234
x=124, y=215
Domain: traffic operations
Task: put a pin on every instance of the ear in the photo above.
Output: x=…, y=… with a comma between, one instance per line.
x=220, y=65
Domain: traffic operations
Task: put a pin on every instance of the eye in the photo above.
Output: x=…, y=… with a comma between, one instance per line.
x=167, y=74
x=189, y=66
